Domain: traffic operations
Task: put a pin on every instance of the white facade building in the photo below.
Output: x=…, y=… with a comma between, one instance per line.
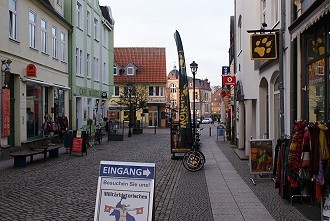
x=258, y=112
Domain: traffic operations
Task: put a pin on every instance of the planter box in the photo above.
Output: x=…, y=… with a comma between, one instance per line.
x=137, y=130
x=116, y=137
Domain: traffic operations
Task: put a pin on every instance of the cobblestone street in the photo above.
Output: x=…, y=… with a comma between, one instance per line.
x=64, y=188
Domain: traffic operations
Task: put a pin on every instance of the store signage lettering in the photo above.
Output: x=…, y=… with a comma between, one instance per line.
x=88, y=92
x=5, y=112
x=157, y=100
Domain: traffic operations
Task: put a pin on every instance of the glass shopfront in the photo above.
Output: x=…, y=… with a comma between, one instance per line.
x=58, y=103
x=33, y=110
x=318, y=71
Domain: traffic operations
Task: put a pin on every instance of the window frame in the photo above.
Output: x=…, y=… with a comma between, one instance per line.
x=33, y=30
x=116, y=89
x=128, y=69
x=96, y=29
x=96, y=69
x=63, y=46
x=44, y=36
x=13, y=21
x=54, y=43
x=88, y=18
x=79, y=14
x=88, y=64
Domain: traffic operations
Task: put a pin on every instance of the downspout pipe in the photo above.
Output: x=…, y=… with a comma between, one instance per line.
x=281, y=69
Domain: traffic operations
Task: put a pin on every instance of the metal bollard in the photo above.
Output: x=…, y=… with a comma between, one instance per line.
x=155, y=129
x=210, y=131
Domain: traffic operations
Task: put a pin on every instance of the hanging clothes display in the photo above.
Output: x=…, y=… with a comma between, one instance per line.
x=302, y=164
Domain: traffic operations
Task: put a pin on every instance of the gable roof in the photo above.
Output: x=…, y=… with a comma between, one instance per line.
x=150, y=63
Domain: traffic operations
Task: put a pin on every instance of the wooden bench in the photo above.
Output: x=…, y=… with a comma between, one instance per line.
x=4, y=148
x=20, y=156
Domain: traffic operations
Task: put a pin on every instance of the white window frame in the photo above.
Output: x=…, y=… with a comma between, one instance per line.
x=115, y=70
x=276, y=11
x=63, y=47
x=43, y=35
x=104, y=73
x=96, y=29
x=80, y=62
x=79, y=58
x=114, y=91
x=88, y=61
x=239, y=25
x=264, y=10
x=105, y=37
x=88, y=23
x=79, y=14
x=96, y=69
x=173, y=88
x=130, y=71
x=54, y=42
x=32, y=30
x=13, y=19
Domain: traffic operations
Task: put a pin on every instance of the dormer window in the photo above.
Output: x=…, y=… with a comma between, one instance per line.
x=116, y=69
x=130, y=69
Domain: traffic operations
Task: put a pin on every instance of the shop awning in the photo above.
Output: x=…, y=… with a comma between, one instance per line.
x=44, y=83
x=307, y=20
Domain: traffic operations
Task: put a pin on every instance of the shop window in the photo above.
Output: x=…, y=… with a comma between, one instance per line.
x=58, y=102
x=316, y=93
x=34, y=118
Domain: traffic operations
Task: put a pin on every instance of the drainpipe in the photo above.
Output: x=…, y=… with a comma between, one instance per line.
x=281, y=69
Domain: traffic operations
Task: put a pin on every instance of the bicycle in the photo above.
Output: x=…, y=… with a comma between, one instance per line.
x=194, y=159
x=98, y=136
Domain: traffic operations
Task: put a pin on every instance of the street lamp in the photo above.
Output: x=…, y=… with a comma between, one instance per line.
x=194, y=67
x=130, y=111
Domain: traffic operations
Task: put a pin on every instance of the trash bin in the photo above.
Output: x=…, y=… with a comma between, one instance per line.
x=221, y=131
x=68, y=137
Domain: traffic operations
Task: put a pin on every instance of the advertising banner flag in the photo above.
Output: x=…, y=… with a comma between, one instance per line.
x=184, y=104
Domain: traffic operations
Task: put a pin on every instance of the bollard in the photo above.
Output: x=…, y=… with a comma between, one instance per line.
x=210, y=131
x=155, y=129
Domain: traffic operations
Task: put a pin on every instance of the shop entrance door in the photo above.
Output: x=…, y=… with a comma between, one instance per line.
x=153, y=118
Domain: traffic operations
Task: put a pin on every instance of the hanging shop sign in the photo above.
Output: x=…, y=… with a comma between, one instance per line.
x=228, y=80
x=31, y=70
x=263, y=46
x=125, y=191
x=5, y=103
x=225, y=70
x=104, y=94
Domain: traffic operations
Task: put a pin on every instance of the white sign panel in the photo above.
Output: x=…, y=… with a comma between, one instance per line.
x=125, y=191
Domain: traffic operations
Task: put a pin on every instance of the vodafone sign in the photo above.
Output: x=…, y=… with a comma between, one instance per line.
x=228, y=80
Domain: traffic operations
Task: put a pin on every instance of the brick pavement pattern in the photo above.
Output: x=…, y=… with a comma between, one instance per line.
x=64, y=188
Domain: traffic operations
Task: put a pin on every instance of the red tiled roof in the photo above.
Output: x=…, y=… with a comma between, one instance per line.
x=150, y=63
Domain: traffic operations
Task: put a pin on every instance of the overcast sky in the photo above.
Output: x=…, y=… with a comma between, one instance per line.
x=203, y=26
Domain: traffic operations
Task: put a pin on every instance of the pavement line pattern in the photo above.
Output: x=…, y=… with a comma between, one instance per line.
x=231, y=198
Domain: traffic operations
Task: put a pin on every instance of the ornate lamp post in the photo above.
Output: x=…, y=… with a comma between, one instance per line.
x=130, y=111
x=194, y=67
